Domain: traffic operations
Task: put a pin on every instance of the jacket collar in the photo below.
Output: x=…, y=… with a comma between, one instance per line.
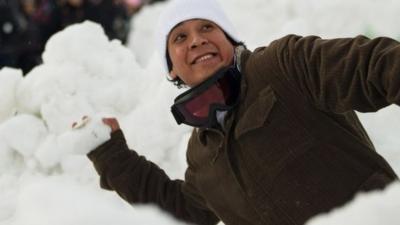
x=241, y=56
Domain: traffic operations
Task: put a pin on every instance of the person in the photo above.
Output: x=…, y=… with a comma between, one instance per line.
x=275, y=139
x=47, y=16
x=72, y=11
x=10, y=27
x=20, y=39
x=112, y=15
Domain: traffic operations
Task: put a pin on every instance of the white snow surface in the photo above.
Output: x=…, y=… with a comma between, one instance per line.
x=9, y=81
x=367, y=208
x=45, y=177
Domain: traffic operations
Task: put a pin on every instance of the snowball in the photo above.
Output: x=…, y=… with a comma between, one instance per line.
x=48, y=153
x=85, y=138
x=56, y=149
x=9, y=81
x=62, y=110
x=46, y=82
x=6, y=156
x=23, y=133
x=8, y=195
x=85, y=44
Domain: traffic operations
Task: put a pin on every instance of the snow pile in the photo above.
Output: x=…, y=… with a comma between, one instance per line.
x=83, y=73
x=39, y=204
x=379, y=207
x=84, y=77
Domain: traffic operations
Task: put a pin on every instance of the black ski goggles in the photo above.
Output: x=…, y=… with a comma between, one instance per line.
x=198, y=106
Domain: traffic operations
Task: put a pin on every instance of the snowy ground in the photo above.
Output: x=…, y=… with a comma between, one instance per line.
x=45, y=177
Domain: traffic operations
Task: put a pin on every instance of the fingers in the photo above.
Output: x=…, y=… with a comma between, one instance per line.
x=79, y=124
x=112, y=123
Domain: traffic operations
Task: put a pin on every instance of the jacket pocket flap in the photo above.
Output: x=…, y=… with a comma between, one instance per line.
x=256, y=114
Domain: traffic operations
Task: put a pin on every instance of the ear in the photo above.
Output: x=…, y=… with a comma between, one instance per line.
x=172, y=74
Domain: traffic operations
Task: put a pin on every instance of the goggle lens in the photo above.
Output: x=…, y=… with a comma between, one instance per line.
x=200, y=105
x=195, y=106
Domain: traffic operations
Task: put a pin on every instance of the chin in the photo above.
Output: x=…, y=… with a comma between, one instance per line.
x=213, y=70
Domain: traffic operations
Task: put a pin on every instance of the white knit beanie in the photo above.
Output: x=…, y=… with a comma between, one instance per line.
x=178, y=11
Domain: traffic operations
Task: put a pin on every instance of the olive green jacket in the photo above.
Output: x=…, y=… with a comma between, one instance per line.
x=292, y=148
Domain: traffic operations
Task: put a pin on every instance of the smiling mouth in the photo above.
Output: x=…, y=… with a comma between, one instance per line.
x=204, y=58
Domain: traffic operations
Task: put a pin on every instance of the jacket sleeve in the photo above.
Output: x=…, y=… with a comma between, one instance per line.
x=342, y=74
x=138, y=180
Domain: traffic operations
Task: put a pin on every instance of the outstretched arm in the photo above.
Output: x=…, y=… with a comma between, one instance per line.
x=341, y=74
x=138, y=180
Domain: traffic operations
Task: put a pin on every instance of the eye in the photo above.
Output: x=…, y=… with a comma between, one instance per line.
x=207, y=27
x=179, y=38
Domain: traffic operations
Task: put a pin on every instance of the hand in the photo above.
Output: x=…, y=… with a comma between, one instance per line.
x=87, y=134
x=112, y=123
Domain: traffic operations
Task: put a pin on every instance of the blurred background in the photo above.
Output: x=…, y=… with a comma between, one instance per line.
x=26, y=25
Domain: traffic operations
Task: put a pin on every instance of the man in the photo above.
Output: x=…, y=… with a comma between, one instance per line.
x=276, y=140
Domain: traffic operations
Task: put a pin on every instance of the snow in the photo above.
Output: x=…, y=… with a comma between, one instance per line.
x=367, y=208
x=45, y=177
x=9, y=80
x=39, y=203
x=24, y=127
x=45, y=174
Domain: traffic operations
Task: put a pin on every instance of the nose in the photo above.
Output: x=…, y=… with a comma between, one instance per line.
x=198, y=40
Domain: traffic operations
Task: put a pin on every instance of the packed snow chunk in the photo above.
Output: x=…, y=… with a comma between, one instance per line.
x=9, y=81
x=23, y=133
x=58, y=200
x=61, y=110
x=6, y=156
x=10, y=161
x=8, y=195
x=81, y=68
x=87, y=134
x=143, y=26
x=47, y=82
x=79, y=168
x=373, y=208
x=159, y=142
x=48, y=154
x=86, y=44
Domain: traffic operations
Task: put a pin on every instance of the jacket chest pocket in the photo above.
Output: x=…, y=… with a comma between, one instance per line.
x=269, y=136
x=257, y=113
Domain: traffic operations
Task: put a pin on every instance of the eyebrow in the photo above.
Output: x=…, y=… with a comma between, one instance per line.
x=177, y=25
x=172, y=30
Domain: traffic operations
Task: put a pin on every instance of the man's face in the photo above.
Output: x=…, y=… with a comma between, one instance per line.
x=197, y=49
